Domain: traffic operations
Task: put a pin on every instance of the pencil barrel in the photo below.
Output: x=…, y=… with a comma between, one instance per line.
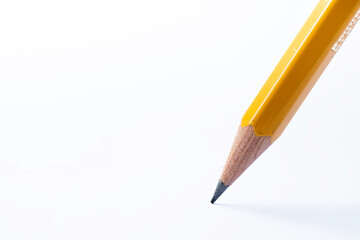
x=301, y=66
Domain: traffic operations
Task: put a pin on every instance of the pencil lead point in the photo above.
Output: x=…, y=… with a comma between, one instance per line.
x=220, y=188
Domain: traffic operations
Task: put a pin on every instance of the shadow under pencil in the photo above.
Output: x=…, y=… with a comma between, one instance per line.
x=339, y=217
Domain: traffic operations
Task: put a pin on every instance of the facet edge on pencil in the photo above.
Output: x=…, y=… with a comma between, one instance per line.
x=220, y=189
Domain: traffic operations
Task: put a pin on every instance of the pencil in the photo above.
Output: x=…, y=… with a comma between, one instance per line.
x=290, y=82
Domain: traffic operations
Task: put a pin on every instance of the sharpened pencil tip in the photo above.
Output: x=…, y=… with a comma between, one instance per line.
x=220, y=189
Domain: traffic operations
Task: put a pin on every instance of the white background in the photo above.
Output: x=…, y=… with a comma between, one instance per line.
x=116, y=118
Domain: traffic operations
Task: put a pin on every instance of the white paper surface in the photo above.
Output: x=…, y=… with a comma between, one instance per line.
x=116, y=118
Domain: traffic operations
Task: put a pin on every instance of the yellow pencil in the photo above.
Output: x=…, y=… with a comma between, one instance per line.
x=292, y=79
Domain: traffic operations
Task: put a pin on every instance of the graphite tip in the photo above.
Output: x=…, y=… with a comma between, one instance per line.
x=220, y=188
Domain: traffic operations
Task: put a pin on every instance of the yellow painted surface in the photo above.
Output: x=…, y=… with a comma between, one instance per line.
x=300, y=67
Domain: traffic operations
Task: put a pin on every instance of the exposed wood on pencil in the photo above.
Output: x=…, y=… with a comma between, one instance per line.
x=247, y=147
